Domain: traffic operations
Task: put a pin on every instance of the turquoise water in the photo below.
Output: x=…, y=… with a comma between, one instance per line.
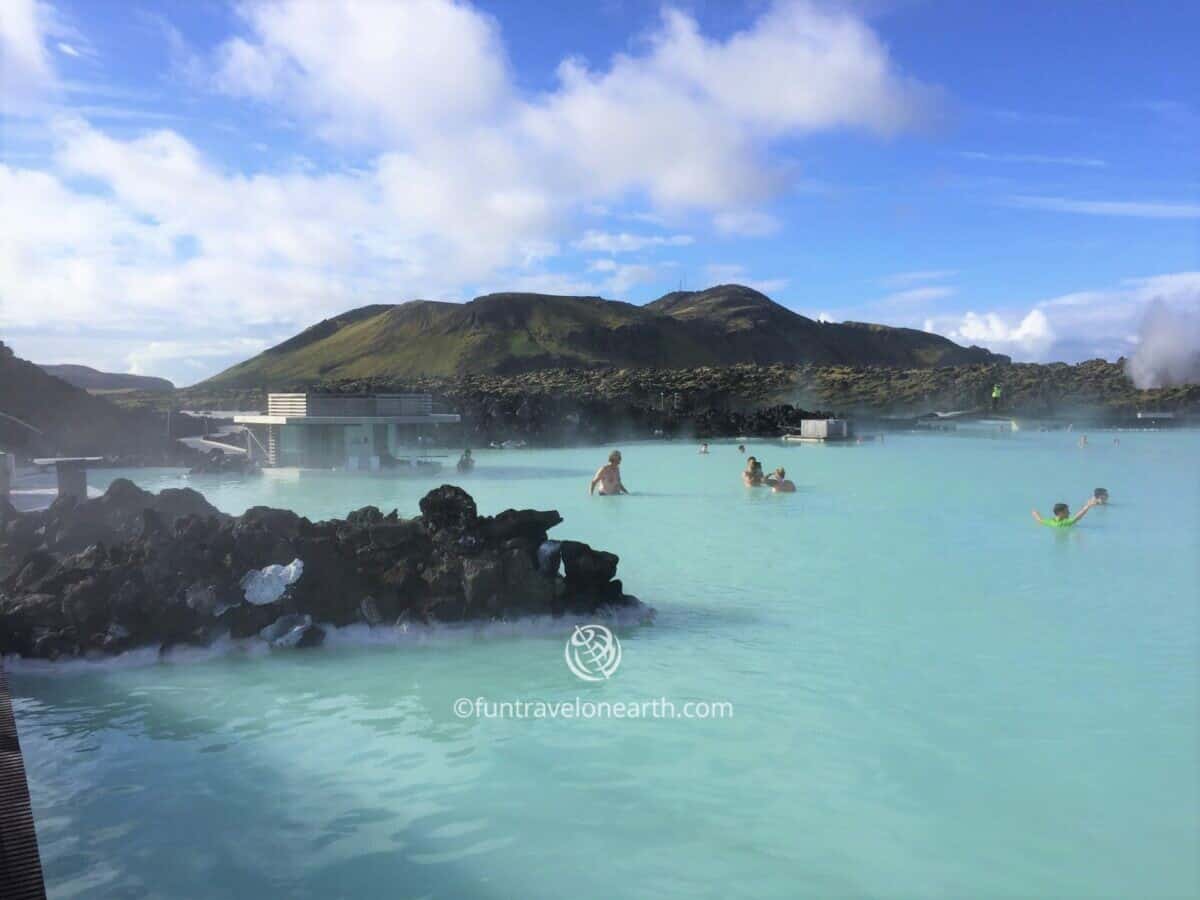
x=933, y=697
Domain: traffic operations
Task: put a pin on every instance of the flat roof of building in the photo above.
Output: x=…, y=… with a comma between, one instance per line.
x=344, y=394
x=426, y=419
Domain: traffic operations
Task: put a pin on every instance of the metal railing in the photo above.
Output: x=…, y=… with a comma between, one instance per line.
x=298, y=405
x=287, y=404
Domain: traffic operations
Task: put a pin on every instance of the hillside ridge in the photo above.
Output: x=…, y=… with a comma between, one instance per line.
x=511, y=333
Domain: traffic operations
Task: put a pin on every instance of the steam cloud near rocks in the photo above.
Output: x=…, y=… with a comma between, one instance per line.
x=1168, y=351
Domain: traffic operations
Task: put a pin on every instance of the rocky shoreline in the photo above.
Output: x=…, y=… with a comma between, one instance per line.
x=132, y=569
x=563, y=406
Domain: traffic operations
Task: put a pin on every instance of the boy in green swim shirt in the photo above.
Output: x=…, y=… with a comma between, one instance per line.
x=1062, y=515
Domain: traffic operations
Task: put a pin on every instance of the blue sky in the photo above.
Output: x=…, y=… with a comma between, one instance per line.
x=185, y=184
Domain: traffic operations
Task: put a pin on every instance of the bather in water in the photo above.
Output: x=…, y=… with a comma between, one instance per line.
x=752, y=475
x=608, y=477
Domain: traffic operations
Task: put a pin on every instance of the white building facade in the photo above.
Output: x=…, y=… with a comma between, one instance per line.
x=343, y=431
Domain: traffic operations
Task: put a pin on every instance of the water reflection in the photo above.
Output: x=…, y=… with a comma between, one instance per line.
x=304, y=781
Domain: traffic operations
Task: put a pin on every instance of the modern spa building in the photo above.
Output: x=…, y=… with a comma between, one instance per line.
x=342, y=431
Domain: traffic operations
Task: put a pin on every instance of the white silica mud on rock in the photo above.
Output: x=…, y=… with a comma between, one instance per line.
x=295, y=630
x=266, y=585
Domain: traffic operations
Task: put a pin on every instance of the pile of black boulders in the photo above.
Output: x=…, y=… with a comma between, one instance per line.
x=132, y=568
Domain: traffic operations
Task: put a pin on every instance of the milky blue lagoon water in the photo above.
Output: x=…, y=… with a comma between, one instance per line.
x=933, y=697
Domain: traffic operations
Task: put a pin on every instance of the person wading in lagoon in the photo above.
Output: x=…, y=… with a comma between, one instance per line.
x=780, y=483
x=608, y=476
x=1062, y=515
x=466, y=462
x=704, y=448
x=752, y=475
x=995, y=397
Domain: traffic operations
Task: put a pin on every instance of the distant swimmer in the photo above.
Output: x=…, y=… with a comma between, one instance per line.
x=466, y=462
x=1062, y=515
x=752, y=475
x=995, y=397
x=608, y=476
x=780, y=483
x=704, y=448
x=1100, y=495
x=741, y=448
x=1083, y=440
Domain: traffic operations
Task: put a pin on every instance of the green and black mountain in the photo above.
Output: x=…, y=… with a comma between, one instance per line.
x=42, y=415
x=99, y=382
x=515, y=333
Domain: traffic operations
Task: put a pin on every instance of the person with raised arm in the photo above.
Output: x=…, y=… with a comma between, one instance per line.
x=1062, y=515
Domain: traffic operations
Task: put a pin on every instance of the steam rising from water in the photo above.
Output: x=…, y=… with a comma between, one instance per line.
x=1168, y=351
x=348, y=636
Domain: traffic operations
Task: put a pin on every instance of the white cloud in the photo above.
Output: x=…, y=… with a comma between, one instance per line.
x=1031, y=336
x=797, y=69
x=460, y=178
x=768, y=286
x=920, y=295
x=626, y=276
x=29, y=29
x=1116, y=307
x=150, y=357
x=370, y=70
x=181, y=355
x=285, y=247
x=26, y=73
x=1173, y=113
x=594, y=241
x=1085, y=324
x=1085, y=162
x=174, y=243
x=621, y=277
x=1131, y=208
x=613, y=279
x=547, y=283
x=602, y=132
x=745, y=223
x=914, y=288
x=901, y=279
x=1030, y=117
x=732, y=273
x=724, y=273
